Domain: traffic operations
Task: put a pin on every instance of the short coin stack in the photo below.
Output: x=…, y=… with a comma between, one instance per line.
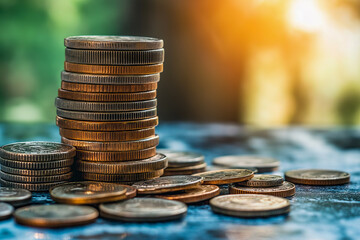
x=35, y=166
x=106, y=106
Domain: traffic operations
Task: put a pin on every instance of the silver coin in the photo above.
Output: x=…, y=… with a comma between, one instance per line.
x=182, y=159
x=15, y=196
x=6, y=210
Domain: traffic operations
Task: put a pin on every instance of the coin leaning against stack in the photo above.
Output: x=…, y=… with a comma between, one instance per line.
x=106, y=106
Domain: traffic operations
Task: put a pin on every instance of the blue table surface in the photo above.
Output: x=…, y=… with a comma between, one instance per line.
x=316, y=212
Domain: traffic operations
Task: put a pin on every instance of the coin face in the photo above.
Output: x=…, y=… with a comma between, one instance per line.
x=317, y=177
x=56, y=215
x=225, y=176
x=263, y=180
x=198, y=194
x=144, y=210
x=6, y=210
x=15, y=196
x=261, y=163
x=167, y=184
x=37, y=151
x=182, y=159
x=250, y=205
x=286, y=189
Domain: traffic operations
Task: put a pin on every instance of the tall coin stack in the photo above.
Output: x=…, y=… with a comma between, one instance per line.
x=106, y=106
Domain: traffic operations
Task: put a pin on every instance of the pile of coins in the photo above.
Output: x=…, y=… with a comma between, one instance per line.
x=106, y=106
x=35, y=166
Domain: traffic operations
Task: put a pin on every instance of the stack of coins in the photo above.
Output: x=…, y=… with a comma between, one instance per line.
x=106, y=106
x=35, y=166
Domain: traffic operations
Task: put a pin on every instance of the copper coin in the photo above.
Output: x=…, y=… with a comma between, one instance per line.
x=317, y=177
x=286, y=189
x=35, y=179
x=262, y=164
x=116, y=156
x=33, y=187
x=225, y=176
x=132, y=177
x=263, y=180
x=15, y=196
x=35, y=172
x=6, y=210
x=102, y=88
x=37, y=165
x=182, y=159
x=188, y=168
x=198, y=194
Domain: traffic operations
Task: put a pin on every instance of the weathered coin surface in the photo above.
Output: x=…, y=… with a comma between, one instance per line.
x=182, y=159
x=35, y=179
x=144, y=210
x=37, y=151
x=88, y=192
x=132, y=177
x=263, y=180
x=113, y=42
x=103, y=88
x=225, y=176
x=116, y=156
x=15, y=196
x=286, y=189
x=262, y=164
x=317, y=177
x=33, y=187
x=167, y=184
x=6, y=210
x=198, y=194
x=37, y=165
x=113, y=57
x=32, y=172
x=55, y=215
x=250, y=205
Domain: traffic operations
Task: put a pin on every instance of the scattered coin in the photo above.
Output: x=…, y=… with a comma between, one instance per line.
x=55, y=216
x=36, y=165
x=144, y=210
x=33, y=187
x=250, y=205
x=167, y=184
x=131, y=177
x=260, y=163
x=317, y=177
x=35, y=179
x=198, y=194
x=15, y=196
x=263, y=180
x=286, y=189
x=225, y=176
x=6, y=210
x=182, y=159
x=88, y=192
x=116, y=156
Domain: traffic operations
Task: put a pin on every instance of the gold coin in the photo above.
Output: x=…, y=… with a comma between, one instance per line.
x=106, y=97
x=116, y=156
x=55, y=215
x=35, y=179
x=88, y=192
x=132, y=177
x=225, y=176
x=167, y=184
x=33, y=187
x=182, y=159
x=106, y=126
x=287, y=189
x=103, y=88
x=198, y=194
x=263, y=180
x=15, y=196
x=143, y=210
x=250, y=205
x=32, y=172
x=317, y=177
x=113, y=69
x=6, y=210
x=157, y=162
x=260, y=163
x=37, y=165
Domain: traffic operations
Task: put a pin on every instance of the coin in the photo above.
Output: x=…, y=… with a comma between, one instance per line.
x=250, y=205
x=225, y=176
x=106, y=97
x=104, y=107
x=116, y=156
x=88, y=192
x=287, y=189
x=15, y=196
x=37, y=151
x=113, y=146
x=107, y=116
x=317, y=177
x=31, y=172
x=108, y=136
x=113, y=57
x=198, y=194
x=185, y=170
x=102, y=88
x=113, y=42
x=182, y=159
x=113, y=69
x=132, y=177
x=6, y=210
x=167, y=184
x=106, y=126
x=33, y=187
x=262, y=164
x=109, y=79
x=55, y=215
x=37, y=165
x=143, y=210
x=263, y=180
x=35, y=179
